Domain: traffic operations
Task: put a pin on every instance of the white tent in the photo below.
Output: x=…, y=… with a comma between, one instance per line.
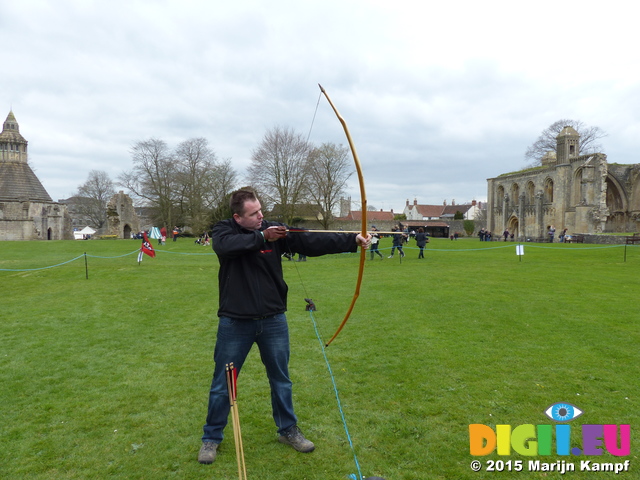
x=83, y=234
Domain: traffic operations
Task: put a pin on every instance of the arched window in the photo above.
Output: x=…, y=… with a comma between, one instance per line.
x=614, y=198
x=577, y=196
x=530, y=193
x=515, y=193
x=548, y=191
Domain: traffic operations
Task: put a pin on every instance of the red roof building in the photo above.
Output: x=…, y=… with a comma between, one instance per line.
x=372, y=215
x=439, y=212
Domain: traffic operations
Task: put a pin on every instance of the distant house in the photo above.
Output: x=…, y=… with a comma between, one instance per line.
x=475, y=212
x=440, y=212
x=372, y=216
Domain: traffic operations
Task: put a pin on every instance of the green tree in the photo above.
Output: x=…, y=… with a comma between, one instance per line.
x=469, y=227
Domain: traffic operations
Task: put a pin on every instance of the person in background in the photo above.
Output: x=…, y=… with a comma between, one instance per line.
x=562, y=236
x=398, y=240
x=375, y=242
x=421, y=241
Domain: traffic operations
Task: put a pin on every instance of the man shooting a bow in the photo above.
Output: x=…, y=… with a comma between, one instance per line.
x=252, y=305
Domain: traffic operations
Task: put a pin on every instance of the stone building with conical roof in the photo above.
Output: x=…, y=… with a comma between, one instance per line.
x=26, y=209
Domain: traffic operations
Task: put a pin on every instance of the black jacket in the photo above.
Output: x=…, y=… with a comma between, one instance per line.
x=251, y=284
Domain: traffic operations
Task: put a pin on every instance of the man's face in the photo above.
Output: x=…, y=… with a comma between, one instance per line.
x=251, y=218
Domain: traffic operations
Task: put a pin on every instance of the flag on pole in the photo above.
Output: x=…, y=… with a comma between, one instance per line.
x=146, y=247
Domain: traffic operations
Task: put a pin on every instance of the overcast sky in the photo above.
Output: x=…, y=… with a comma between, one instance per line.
x=438, y=96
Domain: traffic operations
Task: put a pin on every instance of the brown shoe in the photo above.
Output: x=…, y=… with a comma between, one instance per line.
x=207, y=452
x=295, y=438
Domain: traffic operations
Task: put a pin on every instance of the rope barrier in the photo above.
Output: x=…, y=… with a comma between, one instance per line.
x=183, y=253
x=41, y=268
x=135, y=252
x=405, y=247
x=574, y=248
x=116, y=256
x=511, y=244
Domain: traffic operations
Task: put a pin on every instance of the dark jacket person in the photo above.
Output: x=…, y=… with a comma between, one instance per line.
x=252, y=302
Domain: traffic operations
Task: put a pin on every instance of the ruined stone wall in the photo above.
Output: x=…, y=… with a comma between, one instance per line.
x=122, y=219
x=585, y=194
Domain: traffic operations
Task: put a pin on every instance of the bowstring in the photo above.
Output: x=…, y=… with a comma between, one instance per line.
x=314, y=116
x=353, y=476
x=315, y=112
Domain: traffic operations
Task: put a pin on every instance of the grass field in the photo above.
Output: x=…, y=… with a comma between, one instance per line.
x=107, y=377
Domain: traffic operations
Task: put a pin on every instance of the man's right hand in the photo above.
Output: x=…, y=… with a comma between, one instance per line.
x=272, y=234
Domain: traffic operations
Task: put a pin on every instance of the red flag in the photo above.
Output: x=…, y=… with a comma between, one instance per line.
x=146, y=246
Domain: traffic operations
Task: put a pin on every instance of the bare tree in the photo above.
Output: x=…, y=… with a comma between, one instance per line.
x=153, y=178
x=202, y=182
x=226, y=182
x=93, y=196
x=277, y=170
x=328, y=170
x=547, y=142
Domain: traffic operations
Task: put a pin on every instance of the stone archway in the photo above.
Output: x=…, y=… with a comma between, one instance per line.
x=617, y=205
x=126, y=231
x=513, y=226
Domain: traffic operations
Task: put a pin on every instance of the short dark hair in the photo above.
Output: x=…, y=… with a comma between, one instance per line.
x=239, y=198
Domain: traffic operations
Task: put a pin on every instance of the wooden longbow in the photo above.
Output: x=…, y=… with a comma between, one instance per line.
x=363, y=229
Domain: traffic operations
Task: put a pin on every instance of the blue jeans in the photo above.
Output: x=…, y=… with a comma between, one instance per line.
x=235, y=339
